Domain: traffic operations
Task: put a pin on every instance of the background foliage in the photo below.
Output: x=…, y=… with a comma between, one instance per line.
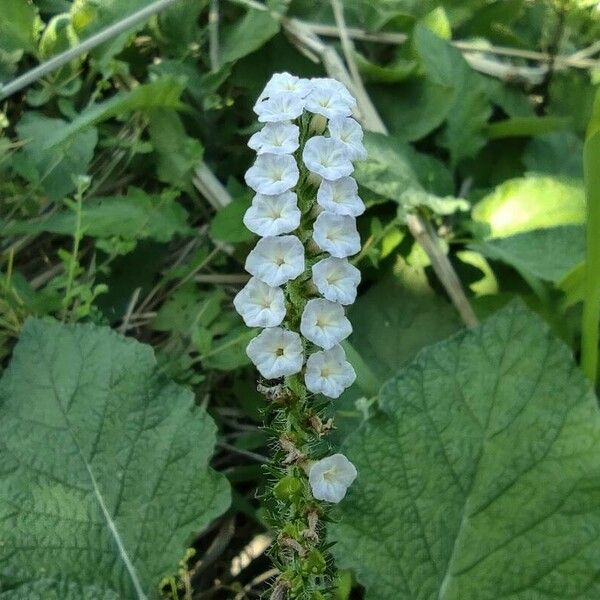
x=121, y=196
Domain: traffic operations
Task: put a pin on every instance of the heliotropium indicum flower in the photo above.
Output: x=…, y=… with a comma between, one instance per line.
x=276, y=352
x=273, y=174
x=330, y=99
x=260, y=304
x=336, y=279
x=336, y=234
x=324, y=323
x=327, y=157
x=280, y=107
x=276, y=138
x=328, y=372
x=304, y=212
x=273, y=215
x=349, y=133
x=340, y=197
x=276, y=260
x=331, y=477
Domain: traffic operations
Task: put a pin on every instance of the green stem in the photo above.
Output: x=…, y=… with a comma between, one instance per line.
x=73, y=262
x=591, y=302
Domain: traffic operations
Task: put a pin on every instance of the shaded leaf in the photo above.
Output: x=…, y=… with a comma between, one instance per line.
x=398, y=317
x=547, y=254
x=247, y=35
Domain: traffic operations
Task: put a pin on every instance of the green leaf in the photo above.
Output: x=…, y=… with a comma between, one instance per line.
x=228, y=226
x=177, y=153
x=591, y=300
x=247, y=35
x=480, y=475
x=413, y=109
x=398, y=317
x=179, y=25
x=525, y=127
x=132, y=217
x=558, y=154
x=392, y=167
x=548, y=254
x=54, y=169
x=19, y=26
x=162, y=93
x=397, y=70
x=531, y=203
x=104, y=467
x=470, y=109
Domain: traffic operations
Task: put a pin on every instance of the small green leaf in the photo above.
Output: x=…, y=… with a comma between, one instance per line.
x=19, y=26
x=531, y=203
x=177, y=153
x=247, y=35
x=480, y=475
x=104, y=467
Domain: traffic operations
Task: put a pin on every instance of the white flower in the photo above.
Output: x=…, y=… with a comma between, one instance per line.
x=328, y=372
x=276, y=138
x=336, y=234
x=260, y=304
x=276, y=352
x=340, y=197
x=272, y=174
x=279, y=107
x=336, y=279
x=273, y=215
x=350, y=133
x=324, y=323
x=327, y=157
x=330, y=478
x=329, y=98
x=276, y=260
x=284, y=83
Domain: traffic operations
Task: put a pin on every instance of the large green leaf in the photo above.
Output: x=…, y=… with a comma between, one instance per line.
x=530, y=203
x=103, y=467
x=547, y=254
x=132, y=217
x=480, y=476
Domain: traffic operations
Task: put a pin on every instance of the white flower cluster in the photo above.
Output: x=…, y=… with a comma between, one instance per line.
x=284, y=107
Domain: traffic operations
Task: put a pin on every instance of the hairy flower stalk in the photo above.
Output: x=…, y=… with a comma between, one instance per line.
x=304, y=211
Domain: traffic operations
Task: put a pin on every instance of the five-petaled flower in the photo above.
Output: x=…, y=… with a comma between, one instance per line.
x=330, y=478
x=328, y=372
